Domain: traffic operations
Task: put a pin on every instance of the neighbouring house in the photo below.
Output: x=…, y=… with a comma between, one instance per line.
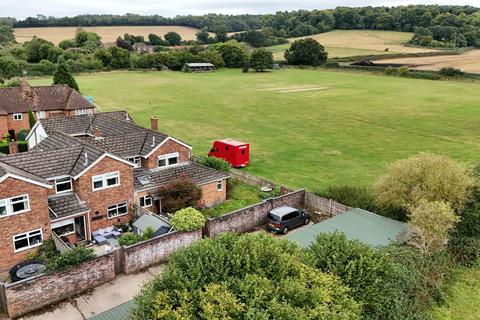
x=45, y=102
x=356, y=224
x=198, y=67
x=142, y=47
x=87, y=173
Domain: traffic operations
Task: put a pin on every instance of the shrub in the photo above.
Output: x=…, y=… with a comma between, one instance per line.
x=187, y=219
x=331, y=64
x=261, y=60
x=451, y=72
x=253, y=276
x=367, y=273
x=466, y=250
x=307, y=52
x=233, y=54
x=180, y=194
x=63, y=75
x=389, y=71
x=403, y=71
x=70, y=259
x=214, y=163
x=129, y=238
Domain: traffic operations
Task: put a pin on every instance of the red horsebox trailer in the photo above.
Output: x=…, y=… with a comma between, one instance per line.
x=234, y=152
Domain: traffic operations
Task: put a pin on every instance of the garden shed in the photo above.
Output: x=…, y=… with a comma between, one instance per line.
x=149, y=220
x=357, y=224
x=198, y=67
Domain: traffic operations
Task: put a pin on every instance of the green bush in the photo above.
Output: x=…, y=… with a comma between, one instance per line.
x=180, y=194
x=403, y=71
x=368, y=274
x=70, y=259
x=466, y=250
x=22, y=146
x=352, y=196
x=129, y=238
x=253, y=276
x=331, y=64
x=451, y=72
x=214, y=163
x=187, y=219
x=389, y=71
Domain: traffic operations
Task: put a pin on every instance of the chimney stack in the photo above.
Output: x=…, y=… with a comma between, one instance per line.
x=154, y=123
x=12, y=147
x=97, y=133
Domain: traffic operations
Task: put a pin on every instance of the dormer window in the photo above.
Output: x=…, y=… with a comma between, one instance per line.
x=17, y=116
x=63, y=185
x=137, y=160
x=167, y=160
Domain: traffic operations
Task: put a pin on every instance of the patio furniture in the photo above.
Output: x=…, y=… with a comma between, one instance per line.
x=101, y=235
x=99, y=239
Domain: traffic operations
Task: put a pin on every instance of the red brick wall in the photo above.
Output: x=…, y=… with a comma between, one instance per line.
x=140, y=194
x=18, y=125
x=169, y=147
x=36, y=218
x=211, y=196
x=32, y=294
x=3, y=125
x=100, y=200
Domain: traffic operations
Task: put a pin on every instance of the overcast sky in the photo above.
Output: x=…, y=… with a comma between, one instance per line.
x=59, y=8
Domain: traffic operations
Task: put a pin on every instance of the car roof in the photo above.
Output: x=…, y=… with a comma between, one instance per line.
x=283, y=210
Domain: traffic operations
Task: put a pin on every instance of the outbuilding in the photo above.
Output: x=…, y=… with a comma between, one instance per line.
x=357, y=224
x=148, y=220
x=198, y=67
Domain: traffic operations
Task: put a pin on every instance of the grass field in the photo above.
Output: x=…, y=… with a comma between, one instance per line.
x=108, y=34
x=346, y=43
x=463, y=299
x=468, y=62
x=306, y=128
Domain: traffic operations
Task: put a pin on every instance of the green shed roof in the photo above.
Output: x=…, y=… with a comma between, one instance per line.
x=121, y=312
x=358, y=224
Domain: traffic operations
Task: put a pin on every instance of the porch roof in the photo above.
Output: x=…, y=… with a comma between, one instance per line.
x=66, y=205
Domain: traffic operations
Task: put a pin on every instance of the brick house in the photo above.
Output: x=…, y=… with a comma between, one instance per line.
x=45, y=101
x=87, y=172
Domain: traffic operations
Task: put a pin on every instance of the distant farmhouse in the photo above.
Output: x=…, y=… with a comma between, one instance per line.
x=198, y=67
x=142, y=47
x=86, y=174
x=45, y=102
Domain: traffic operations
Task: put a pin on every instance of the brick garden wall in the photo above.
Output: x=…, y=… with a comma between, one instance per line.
x=249, y=218
x=145, y=254
x=32, y=294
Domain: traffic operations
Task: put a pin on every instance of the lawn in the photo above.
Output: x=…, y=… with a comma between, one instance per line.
x=463, y=299
x=306, y=128
x=347, y=43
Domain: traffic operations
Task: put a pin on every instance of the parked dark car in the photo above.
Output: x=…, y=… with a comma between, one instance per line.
x=285, y=218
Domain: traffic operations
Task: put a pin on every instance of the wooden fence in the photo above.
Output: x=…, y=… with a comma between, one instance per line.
x=324, y=208
x=251, y=179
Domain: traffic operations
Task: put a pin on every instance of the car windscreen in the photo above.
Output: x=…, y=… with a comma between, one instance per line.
x=273, y=217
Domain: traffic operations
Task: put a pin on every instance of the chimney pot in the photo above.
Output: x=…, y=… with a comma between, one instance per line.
x=12, y=147
x=154, y=123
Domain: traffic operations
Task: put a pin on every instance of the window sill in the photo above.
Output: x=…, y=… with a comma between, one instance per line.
x=118, y=216
x=28, y=248
x=14, y=214
x=105, y=188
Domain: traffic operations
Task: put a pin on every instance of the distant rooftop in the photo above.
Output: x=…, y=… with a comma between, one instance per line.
x=356, y=224
x=200, y=65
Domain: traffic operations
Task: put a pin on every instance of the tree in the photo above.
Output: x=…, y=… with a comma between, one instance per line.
x=9, y=67
x=104, y=56
x=221, y=33
x=427, y=177
x=37, y=49
x=120, y=58
x=256, y=39
x=203, y=37
x=187, y=219
x=6, y=35
x=123, y=44
x=430, y=224
x=63, y=75
x=154, y=40
x=261, y=59
x=173, y=38
x=213, y=57
x=179, y=194
x=253, y=276
x=306, y=52
x=31, y=118
x=232, y=53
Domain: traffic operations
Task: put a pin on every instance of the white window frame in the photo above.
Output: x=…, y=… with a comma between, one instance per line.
x=116, y=207
x=145, y=201
x=219, y=183
x=8, y=204
x=27, y=236
x=167, y=158
x=104, y=177
x=41, y=114
x=137, y=160
x=79, y=112
x=63, y=182
x=17, y=117
x=68, y=233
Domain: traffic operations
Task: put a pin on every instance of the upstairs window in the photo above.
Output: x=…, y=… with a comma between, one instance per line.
x=41, y=115
x=28, y=240
x=79, y=112
x=17, y=116
x=14, y=205
x=63, y=185
x=168, y=159
x=104, y=181
x=117, y=210
x=137, y=160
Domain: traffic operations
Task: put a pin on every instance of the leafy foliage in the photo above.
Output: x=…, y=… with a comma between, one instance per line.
x=427, y=177
x=187, y=219
x=173, y=38
x=261, y=60
x=352, y=196
x=31, y=118
x=69, y=259
x=252, y=276
x=130, y=238
x=232, y=53
x=307, y=52
x=179, y=194
x=214, y=163
x=63, y=75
